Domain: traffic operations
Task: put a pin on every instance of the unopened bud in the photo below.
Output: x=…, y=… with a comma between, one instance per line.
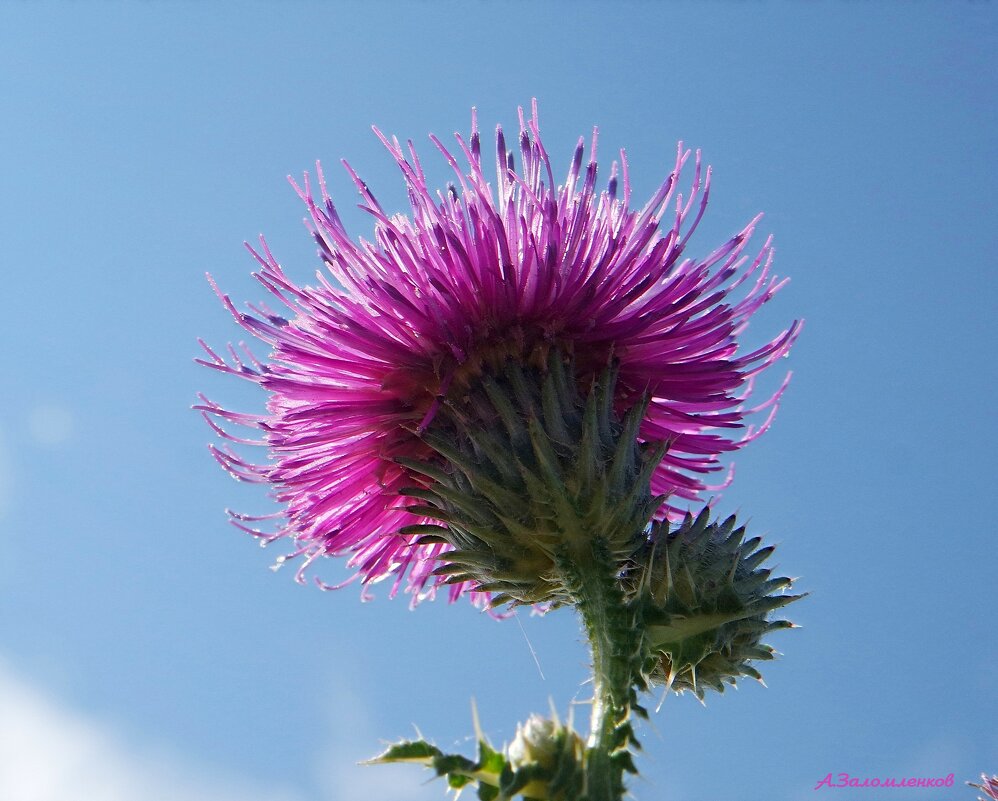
x=536, y=742
x=705, y=602
x=547, y=760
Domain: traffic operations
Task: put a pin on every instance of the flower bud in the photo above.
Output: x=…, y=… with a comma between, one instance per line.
x=705, y=601
x=535, y=743
x=547, y=759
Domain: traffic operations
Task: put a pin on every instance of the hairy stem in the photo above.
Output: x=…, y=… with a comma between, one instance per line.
x=615, y=640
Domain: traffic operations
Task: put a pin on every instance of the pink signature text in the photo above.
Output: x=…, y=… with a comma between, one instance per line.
x=845, y=780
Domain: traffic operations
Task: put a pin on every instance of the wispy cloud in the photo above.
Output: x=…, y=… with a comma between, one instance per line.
x=50, y=753
x=352, y=739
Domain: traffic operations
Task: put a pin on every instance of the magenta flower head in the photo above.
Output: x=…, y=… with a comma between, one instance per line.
x=988, y=786
x=512, y=318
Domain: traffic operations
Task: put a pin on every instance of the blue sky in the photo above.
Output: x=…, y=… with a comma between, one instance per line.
x=146, y=651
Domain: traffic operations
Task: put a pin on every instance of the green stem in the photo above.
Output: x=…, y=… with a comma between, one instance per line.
x=615, y=641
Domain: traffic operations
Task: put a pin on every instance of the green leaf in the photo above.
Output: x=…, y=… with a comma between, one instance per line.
x=490, y=760
x=453, y=763
x=417, y=751
x=625, y=761
x=456, y=781
x=486, y=792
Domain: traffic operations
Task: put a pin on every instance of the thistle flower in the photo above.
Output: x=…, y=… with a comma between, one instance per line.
x=988, y=785
x=400, y=331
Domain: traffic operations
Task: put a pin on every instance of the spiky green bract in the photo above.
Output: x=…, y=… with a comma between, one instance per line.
x=705, y=602
x=528, y=468
x=543, y=763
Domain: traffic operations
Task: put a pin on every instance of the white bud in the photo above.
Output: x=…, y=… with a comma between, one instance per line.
x=536, y=743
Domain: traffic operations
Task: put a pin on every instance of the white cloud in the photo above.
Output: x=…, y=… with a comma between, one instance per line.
x=352, y=741
x=49, y=753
